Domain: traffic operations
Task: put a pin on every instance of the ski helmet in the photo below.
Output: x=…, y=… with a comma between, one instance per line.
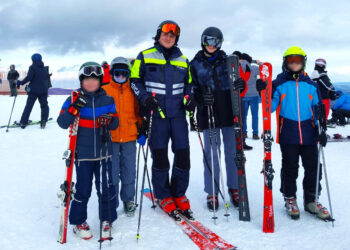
x=90, y=69
x=36, y=57
x=294, y=51
x=212, y=36
x=247, y=57
x=12, y=66
x=321, y=62
x=120, y=66
x=238, y=54
x=168, y=26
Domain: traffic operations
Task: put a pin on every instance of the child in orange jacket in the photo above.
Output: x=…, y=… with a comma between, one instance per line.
x=131, y=128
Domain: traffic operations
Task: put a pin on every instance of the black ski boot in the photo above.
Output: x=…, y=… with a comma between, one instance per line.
x=129, y=208
x=211, y=200
x=42, y=124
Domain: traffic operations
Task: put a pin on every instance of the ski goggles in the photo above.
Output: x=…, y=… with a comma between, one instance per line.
x=294, y=59
x=170, y=27
x=211, y=41
x=89, y=70
x=121, y=73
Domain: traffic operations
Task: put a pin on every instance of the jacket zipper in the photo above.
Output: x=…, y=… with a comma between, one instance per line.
x=93, y=114
x=299, y=122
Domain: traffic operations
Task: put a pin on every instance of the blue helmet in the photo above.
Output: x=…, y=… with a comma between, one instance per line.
x=36, y=57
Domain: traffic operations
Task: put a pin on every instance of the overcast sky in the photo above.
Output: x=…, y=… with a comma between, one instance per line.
x=68, y=33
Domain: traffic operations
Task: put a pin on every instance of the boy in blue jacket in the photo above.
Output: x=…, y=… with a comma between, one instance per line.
x=295, y=98
x=97, y=112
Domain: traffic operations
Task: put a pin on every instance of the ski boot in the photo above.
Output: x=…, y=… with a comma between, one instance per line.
x=256, y=137
x=42, y=124
x=292, y=207
x=83, y=231
x=212, y=201
x=129, y=208
x=320, y=211
x=106, y=231
x=169, y=207
x=233, y=193
x=246, y=147
x=183, y=205
x=245, y=135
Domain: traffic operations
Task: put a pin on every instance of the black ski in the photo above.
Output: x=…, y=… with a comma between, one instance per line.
x=16, y=124
x=232, y=63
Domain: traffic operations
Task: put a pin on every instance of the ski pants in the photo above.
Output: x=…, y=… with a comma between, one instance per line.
x=13, y=87
x=85, y=171
x=228, y=138
x=290, y=166
x=29, y=106
x=175, y=129
x=124, y=170
x=339, y=115
x=253, y=102
x=327, y=105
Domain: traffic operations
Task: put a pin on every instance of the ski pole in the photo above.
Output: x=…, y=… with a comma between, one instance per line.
x=137, y=175
x=13, y=105
x=144, y=171
x=149, y=181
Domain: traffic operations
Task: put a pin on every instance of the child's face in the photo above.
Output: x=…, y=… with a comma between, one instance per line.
x=91, y=84
x=211, y=49
x=295, y=66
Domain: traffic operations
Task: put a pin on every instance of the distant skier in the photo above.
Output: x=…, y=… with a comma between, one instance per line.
x=164, y=70
x=97, y=110
x=341, y=109
x=106, y=75
x=295, y=97
x=38, y=79
x=320, y=76
x=209, y=72
x=12, y=77
x=124, y=138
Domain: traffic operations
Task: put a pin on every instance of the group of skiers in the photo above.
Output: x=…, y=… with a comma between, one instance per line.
x=120, y=105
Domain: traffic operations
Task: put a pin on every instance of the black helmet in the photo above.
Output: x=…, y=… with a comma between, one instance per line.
x=159, y=30
x=212, y=36
x=12, y=66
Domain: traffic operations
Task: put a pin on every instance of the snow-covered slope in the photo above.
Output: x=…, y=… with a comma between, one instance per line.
x=31, y=171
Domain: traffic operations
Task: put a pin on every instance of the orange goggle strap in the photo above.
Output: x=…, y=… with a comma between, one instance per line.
x=170, y=27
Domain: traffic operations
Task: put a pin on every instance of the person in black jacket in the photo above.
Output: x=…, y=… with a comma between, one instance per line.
x=319, y=75
x=38, y=77
x=12, y=77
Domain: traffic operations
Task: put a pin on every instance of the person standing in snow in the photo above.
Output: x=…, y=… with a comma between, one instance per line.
x=12, y=77
x=38, y=79
x=124, y=138
x=251, y=98
x=212, y=89
x=341, y=109
x=164, y=71
x=97, y=111
x=106, y=75
x=320, y=76
x=296, y=97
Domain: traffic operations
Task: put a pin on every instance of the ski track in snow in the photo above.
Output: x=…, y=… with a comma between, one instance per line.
x=32, y=170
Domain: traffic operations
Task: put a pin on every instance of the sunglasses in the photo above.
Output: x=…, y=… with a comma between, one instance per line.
x=170, y=27
x=89, y=70
x=121, y=73
x=294, y=59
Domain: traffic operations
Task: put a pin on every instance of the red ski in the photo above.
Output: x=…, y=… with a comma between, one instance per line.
x=67, y=186
x=268, y=217
x=202, y=236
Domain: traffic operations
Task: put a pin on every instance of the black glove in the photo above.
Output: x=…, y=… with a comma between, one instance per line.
x=239, y=84
x=79, y=103
x=104, y=120
x=260, y=85
x=142, y=128
x=322, y=139
x=208, y=99
x=151, y=103
x=190, y=104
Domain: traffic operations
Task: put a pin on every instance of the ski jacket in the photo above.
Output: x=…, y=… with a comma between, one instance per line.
x=106, y=75
x=295, y=100
x=212, y=72
x=89, y=142
x=12, y=75
x=128, y=111
x=251, y=82
x=343, y=102
x=167, y=75
x=38, y=78
x=319, y=75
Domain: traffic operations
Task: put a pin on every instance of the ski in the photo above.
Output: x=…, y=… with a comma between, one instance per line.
x=203, y=237
x=232, y=63
x=66, y=188
x=339, y=138
x=268, y=216
x=16, y=124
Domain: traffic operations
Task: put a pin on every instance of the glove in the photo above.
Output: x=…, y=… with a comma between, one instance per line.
x=79, y=103
x=151, y=103
x=18, y=84
x=239, y=84
x=260, y=85
x=142, y=132
x=190, y=104
x=322, y=139
x=208, y=99
x=104, y=120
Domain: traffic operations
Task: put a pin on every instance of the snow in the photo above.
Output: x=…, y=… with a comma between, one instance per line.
x=32, y=170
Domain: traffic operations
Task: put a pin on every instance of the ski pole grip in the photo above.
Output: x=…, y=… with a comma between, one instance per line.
x=161, y=113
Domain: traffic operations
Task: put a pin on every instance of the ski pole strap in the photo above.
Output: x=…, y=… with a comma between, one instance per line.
x=161, y=113
x=189, y=114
